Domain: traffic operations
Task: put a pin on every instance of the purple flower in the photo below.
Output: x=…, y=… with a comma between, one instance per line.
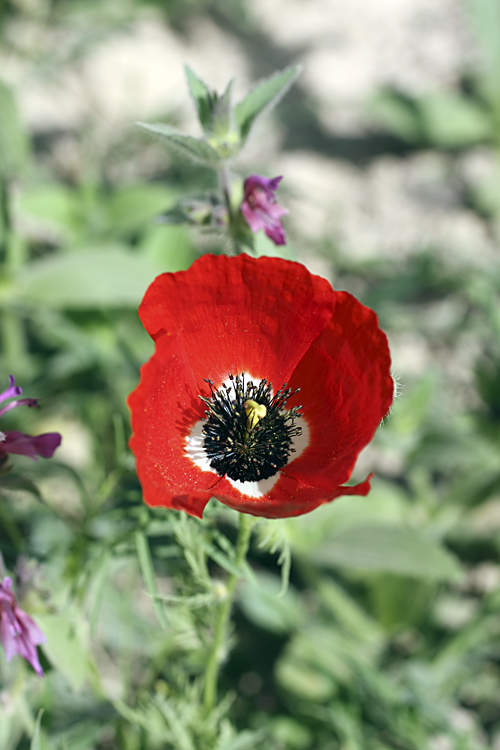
x=13, y=441
x=18, y=632
x=260, y=209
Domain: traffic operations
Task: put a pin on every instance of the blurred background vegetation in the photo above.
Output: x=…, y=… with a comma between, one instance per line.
x=388, y=635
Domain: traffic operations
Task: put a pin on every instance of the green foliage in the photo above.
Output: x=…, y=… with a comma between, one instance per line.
x=443, y=120
x=203, y=98
x=104, y=277
x=265, y=95
x=485, y=16
x=188, y=146
x=13, y=139
x=388, y=548
x=372, y=623
x=225, y=128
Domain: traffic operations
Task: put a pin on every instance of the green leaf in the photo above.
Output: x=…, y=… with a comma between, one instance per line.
x=265, y=95
x=303, y=680
x=13, y=138
x=91, y=278
x=187, y=145
x=397, y=112
x=148, y=573
x=264, y=605
x=202, y=96
x=64, y=648
x=55, y=206
x=389, y=548
x=19, y=483
x=485, y=195
x=245, y=740
x=348, y=613
x=221, y=119
x=485, y=16
x=135, y=206
x=452, y=121
x=167, y=247
x=440, y=119
x=35, y=739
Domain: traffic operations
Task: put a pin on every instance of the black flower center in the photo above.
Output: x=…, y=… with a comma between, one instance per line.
x=248, y=433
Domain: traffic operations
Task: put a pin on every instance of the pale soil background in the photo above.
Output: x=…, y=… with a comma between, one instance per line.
x=344, y=190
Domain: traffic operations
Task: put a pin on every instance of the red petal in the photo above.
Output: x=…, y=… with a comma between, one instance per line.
x=270, y=318
x=287, y=498
x=346, y=390
x=164, y=407
x=240, y=314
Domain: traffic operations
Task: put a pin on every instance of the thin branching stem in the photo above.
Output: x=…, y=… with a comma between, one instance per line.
x=223, y=614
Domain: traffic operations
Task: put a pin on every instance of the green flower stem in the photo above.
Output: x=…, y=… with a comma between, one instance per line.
x=223, y=615
x=231, y=218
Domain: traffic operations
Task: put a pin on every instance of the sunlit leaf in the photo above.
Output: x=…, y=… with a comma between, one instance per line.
x=451, y=120
x=201, y=94
x=389, y=548
x=185, y=144
x=104, y=277
x=262, y=97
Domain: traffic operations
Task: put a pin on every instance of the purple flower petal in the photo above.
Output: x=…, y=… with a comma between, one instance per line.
x=32, y=446
x=12, y=391
x=18, y=633
x=260, y=209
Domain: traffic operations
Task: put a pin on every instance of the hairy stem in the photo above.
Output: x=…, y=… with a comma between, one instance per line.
x=226, y=191
x=223, y=615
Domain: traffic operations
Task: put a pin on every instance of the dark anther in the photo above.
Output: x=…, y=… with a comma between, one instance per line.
x=242, y=452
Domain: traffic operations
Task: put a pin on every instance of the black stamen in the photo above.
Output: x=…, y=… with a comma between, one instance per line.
x=243, y=453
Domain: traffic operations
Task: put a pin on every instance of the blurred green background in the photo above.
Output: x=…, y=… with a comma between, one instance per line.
x=389, y=633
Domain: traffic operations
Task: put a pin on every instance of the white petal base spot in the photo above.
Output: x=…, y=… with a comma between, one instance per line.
x=197, y=454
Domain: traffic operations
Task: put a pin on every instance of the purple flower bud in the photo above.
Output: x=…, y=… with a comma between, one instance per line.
x=16, y=442
x=260, y=209
x=18, y=632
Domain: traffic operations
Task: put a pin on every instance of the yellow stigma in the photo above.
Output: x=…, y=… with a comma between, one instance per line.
x=254, y=412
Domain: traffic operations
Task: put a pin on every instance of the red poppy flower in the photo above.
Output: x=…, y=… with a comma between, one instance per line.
x=264, y=387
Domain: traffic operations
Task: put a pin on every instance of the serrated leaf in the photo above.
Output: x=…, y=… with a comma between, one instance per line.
x=95, y=278
x=388, y=548
x=202, y=96
x=187, y=145
x=265, y=95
